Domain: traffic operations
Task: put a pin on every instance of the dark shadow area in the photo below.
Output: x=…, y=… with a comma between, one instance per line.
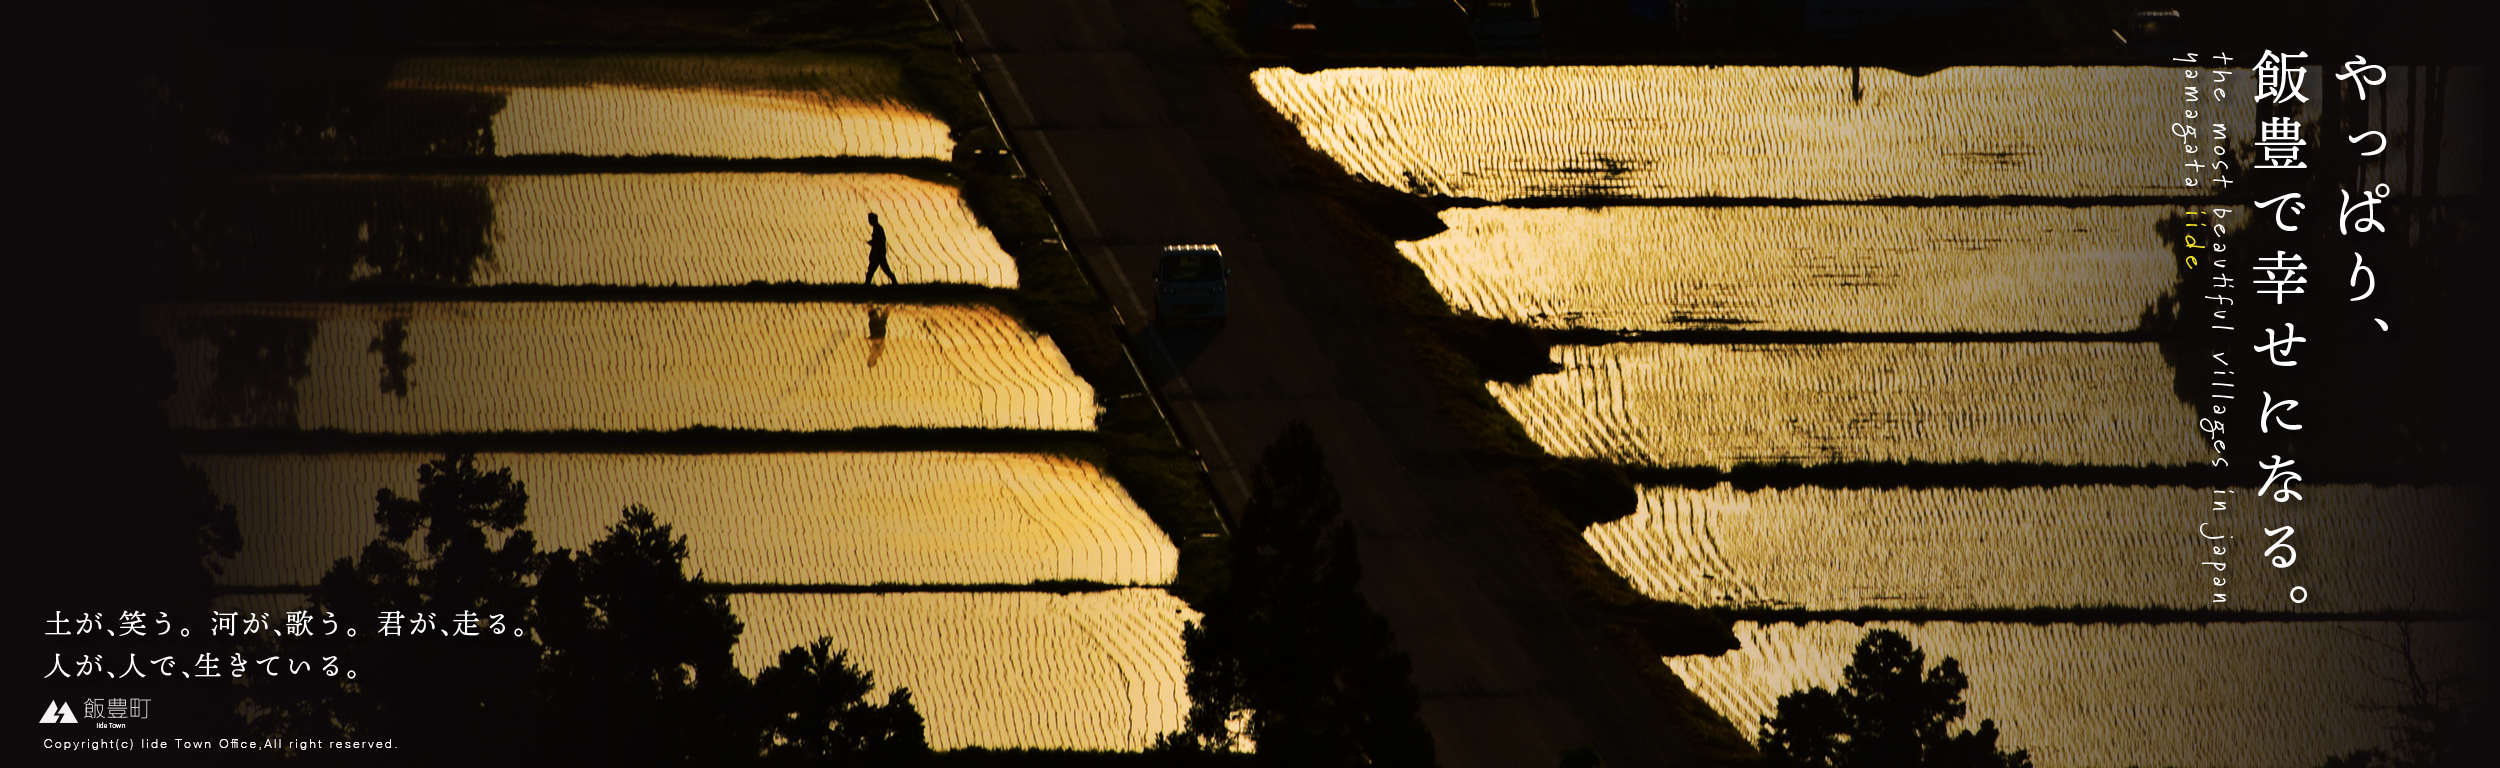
x=332, y=231
x=2083, y=614
x=1914, y=38
x=479, y=647
x=392, y=345
x=233, y=110
x=2406, y=403
x=1290, y=653
x=1501, y=351
x=253, y=372
x=688, y=440
x=1170, y=348
x=1890, y=709
x=1913, y=474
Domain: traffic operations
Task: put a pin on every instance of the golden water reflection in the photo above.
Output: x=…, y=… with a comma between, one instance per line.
x=2260, y=695
x=732, y=229
x=1501, y=133
x=783, y=105
x=482, y=366
x=1697, y=405
x=1827, y=268
x=817, y=518
x=689, y=229
x=2360, y=548
x=1099, y=671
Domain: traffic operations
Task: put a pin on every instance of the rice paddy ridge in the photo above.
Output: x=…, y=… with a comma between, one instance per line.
x=768, y=366
x=2370, y=549
x=706, y=229
x=1858, y=269
x=1862, y=474
x=755, y=227
x=895, y=517
x=380, y=293
x=1081, y=444
x=933, y=170
x=2100, y=403
x=787, y=104
x=1633, y=131
x=2075, y=695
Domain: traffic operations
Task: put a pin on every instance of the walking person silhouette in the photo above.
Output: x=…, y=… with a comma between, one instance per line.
x=876, y=254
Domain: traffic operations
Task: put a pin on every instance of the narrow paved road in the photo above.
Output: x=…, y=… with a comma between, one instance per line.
x=1145, y=140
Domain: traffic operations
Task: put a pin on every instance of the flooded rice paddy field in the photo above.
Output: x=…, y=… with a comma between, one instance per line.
x=475, y=366
x=2260, y=695
x=814, y=518
x=690, y=229
x=784, y=105
x=2361, y=548
x=1820, y=268
x=1707, y=405
x=1086, y=671
x=1502, y=133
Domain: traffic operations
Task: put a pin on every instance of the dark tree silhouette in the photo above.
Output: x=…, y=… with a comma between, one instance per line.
x=612, y=655
x=2440, y=721
x=816, y=711
x=1291, y=656
x=1885, y=715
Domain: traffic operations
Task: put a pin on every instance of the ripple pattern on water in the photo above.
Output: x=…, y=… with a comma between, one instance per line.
x=1099, y=671
x=1692, y=405
x=1502, y=133
x=676, y=229
x=2259, y=695
x=2361, y=548
x=783, y=104
x=817, y=518
x=1853, y=269
x=733, y=229
x=626, y=366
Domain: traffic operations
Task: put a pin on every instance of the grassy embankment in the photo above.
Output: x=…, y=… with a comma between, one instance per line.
x=1559, y=496
x=1460, y=352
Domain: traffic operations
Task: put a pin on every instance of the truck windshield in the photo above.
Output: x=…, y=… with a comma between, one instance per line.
x=1193, y=265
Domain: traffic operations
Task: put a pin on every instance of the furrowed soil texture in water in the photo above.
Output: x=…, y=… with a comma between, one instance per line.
x=1712, y=405
x=1814, y=133
x=677, y=229
x=1817, y=268
x=482, y=366
x=771, y=518
x=1099, y=671
x=784, y=105
x=2362, y=548
x=2258, y=695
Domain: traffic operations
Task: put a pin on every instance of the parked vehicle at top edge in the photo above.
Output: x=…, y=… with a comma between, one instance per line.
x=1189, y=285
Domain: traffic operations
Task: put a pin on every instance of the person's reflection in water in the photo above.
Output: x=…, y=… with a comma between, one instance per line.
x=876, y=333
